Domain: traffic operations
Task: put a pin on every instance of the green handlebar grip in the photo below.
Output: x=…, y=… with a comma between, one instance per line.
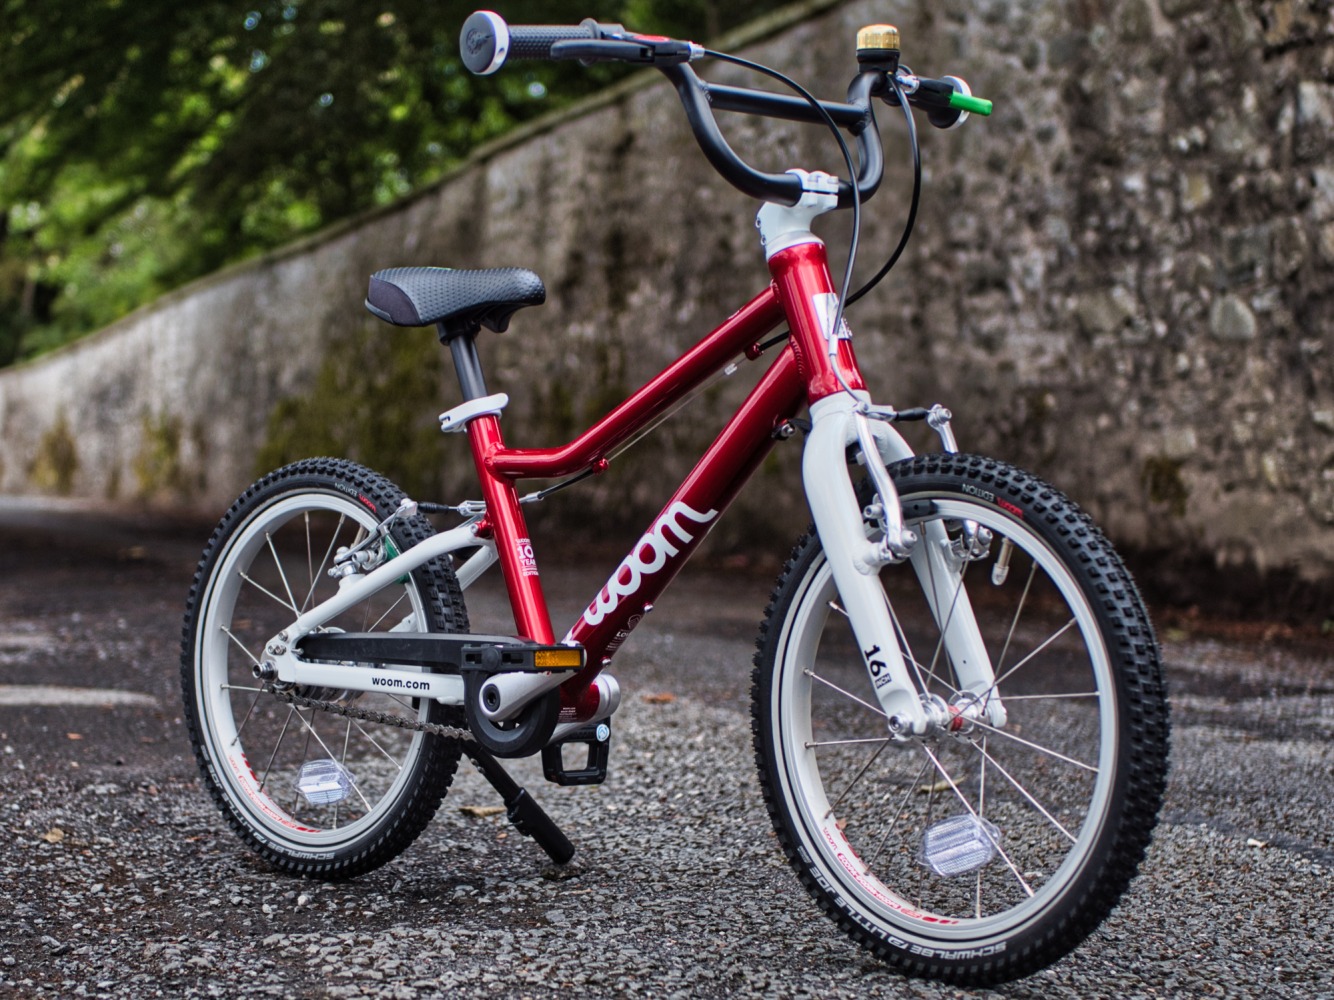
x=966, y=102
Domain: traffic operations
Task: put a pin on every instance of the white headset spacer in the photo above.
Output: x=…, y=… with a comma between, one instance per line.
x=502, y=34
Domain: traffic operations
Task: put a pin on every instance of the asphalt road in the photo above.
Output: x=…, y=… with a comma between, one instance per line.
x=119, y=878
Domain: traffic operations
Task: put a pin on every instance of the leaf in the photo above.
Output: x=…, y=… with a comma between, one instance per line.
x=54, y=835
x=481, y=812
x=661, y=698
x=940, y=786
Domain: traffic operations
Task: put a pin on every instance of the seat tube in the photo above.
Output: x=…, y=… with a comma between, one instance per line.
x=513, y=546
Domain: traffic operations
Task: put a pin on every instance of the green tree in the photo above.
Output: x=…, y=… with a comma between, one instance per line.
x=145, y=143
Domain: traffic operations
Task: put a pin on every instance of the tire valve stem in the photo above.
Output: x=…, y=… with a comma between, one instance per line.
x=1002, y=567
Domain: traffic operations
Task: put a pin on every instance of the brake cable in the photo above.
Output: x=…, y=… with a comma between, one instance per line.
x=844, y=298
x=916, y=195
x=852, y=176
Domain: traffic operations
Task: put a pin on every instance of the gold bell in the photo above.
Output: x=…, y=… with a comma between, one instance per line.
x=878, y=37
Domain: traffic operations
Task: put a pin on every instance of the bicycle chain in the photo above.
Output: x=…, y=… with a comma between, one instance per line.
x=383, y=718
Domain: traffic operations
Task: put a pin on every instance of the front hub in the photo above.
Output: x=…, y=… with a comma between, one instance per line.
x=957, y=717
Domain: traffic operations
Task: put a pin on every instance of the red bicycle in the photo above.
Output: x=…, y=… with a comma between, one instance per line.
x=959, y=713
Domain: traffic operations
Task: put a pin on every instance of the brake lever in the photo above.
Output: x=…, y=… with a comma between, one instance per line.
x=644, y=51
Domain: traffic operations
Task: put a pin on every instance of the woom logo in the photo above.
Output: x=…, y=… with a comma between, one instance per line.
x=649, y=555
x=399, y=684
x=477, y=40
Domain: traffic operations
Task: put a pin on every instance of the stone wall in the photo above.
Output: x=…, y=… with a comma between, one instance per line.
x=1122, y=281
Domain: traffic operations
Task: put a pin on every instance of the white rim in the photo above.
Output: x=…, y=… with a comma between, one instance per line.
x=804, y=790
x=220, y=663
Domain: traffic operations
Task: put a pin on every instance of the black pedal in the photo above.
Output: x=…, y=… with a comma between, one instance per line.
x=597, y=738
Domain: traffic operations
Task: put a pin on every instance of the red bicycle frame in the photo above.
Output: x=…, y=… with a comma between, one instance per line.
x=802, y=372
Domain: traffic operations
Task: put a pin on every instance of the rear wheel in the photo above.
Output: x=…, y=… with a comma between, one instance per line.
x=980, y=852
x=315, y=792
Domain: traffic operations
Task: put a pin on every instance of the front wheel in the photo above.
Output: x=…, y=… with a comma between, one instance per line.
x=320, y=782
x=979, y=852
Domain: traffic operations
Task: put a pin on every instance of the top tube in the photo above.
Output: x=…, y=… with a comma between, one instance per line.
x=742, y=330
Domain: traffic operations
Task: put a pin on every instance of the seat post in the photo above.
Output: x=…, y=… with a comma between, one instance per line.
x=467, y=365
x=504, y=519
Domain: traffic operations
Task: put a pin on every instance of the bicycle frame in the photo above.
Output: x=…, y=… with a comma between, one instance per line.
x=803, y=372
x=891, y=802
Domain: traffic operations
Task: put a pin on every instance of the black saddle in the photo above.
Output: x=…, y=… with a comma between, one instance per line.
x=461, y=300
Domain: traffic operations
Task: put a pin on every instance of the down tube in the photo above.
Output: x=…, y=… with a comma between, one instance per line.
x=690, y=514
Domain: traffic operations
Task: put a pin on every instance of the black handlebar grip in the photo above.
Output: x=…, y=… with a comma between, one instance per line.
x=534, y=41
x=486, y=41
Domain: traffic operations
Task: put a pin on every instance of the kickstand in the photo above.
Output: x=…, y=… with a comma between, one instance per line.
x=522, y=809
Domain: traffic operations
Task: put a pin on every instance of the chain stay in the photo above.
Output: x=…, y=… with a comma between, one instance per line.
x=366, y=715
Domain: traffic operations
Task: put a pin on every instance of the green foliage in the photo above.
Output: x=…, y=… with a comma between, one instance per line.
x=145, y=143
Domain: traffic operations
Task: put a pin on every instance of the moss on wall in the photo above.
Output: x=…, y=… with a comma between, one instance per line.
x=373, y=400
x=57, y=459
x=1164, y=485
x=157, y=466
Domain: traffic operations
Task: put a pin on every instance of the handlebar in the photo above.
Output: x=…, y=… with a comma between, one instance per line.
x=486, y=42
x=699, y=100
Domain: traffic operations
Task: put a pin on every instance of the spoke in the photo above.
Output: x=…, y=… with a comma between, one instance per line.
x=259, y=586
x=981, y=812
x=282, y=574
x=239, y=643
x=376, y=624
x=913, y=660
x=305, y=756
x=375, y=743
x=1024, y=792
x=847, y=694
x=311, y=730
x=310, y=560
x=1014, y=622
x=239, y=687
x=319, y=573
x=840, y=743
x=1045, y=697
x=865, y=767
x=281, y=736
x=233, y=687
x=1028, y=659
x=898, y=814
x=253, y=702
x=902, y=638
x=955, y=788
x=835, y=606
x=342, y=762
x=1034, y=746
x=944, y=626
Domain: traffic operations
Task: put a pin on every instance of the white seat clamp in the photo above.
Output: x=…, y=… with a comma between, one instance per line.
x=454, y=420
